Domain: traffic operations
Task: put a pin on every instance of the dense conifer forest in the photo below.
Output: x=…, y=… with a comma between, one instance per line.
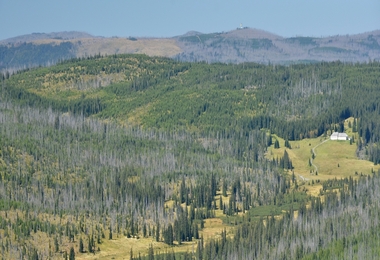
x=101, y=148
x=26, y=55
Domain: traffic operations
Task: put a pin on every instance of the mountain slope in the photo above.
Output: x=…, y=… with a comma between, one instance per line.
x=247, y=44
x=241, y=45
x=129, y=154
x=297, y=101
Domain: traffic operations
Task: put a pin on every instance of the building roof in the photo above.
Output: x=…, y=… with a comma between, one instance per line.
x=337, y=135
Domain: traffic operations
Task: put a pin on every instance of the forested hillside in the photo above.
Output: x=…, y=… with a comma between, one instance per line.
x=26, y=55
x=294, y=102
x=149, y=149
x=248, y=45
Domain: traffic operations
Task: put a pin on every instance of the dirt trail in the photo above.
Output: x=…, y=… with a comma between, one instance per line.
x=313, y=150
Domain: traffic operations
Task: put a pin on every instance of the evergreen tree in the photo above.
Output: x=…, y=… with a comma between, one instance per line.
x=354, y=126
x=110, y=233
x=144, y=230
x=286, y=163
x=158, y=232
x=177, y=231
x=72, y=254
x=276, y=144
x=287, y=144
x=200, y=250
x=341, y=127
x=224, y=188
x=91, y=244
x=168, y=235
x=269, y=140
x=34, y=255
x=183, y=192
x=56, y=244
x=213, y=185
x=151, y=252
x=81, y=247
x=196, y=231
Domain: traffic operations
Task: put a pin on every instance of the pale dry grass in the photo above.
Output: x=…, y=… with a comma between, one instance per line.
x=314, y=190
x=120, y=248
x=213, y=228
x=109, y=46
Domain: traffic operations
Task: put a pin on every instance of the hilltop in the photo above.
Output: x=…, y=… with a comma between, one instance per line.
x=47, y=36
x=236, y=46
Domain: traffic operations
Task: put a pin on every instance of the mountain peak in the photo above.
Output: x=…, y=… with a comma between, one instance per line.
x=252, y=33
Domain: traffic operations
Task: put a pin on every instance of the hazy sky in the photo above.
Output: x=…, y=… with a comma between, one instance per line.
x=165, y=18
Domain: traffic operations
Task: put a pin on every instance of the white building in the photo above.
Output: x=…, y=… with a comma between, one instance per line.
x=339, y=136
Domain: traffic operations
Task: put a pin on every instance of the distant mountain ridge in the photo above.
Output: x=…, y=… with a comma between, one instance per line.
x=252, y=33
x=45, y=36
x=236, y=46
x=246, y=45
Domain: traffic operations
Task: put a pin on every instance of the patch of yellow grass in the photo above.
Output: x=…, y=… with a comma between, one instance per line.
x=314, y=190
x=137, y=114
x=120, y=248
x=213, y=228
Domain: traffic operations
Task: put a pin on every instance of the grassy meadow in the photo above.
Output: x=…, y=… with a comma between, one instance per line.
x=333, y=159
